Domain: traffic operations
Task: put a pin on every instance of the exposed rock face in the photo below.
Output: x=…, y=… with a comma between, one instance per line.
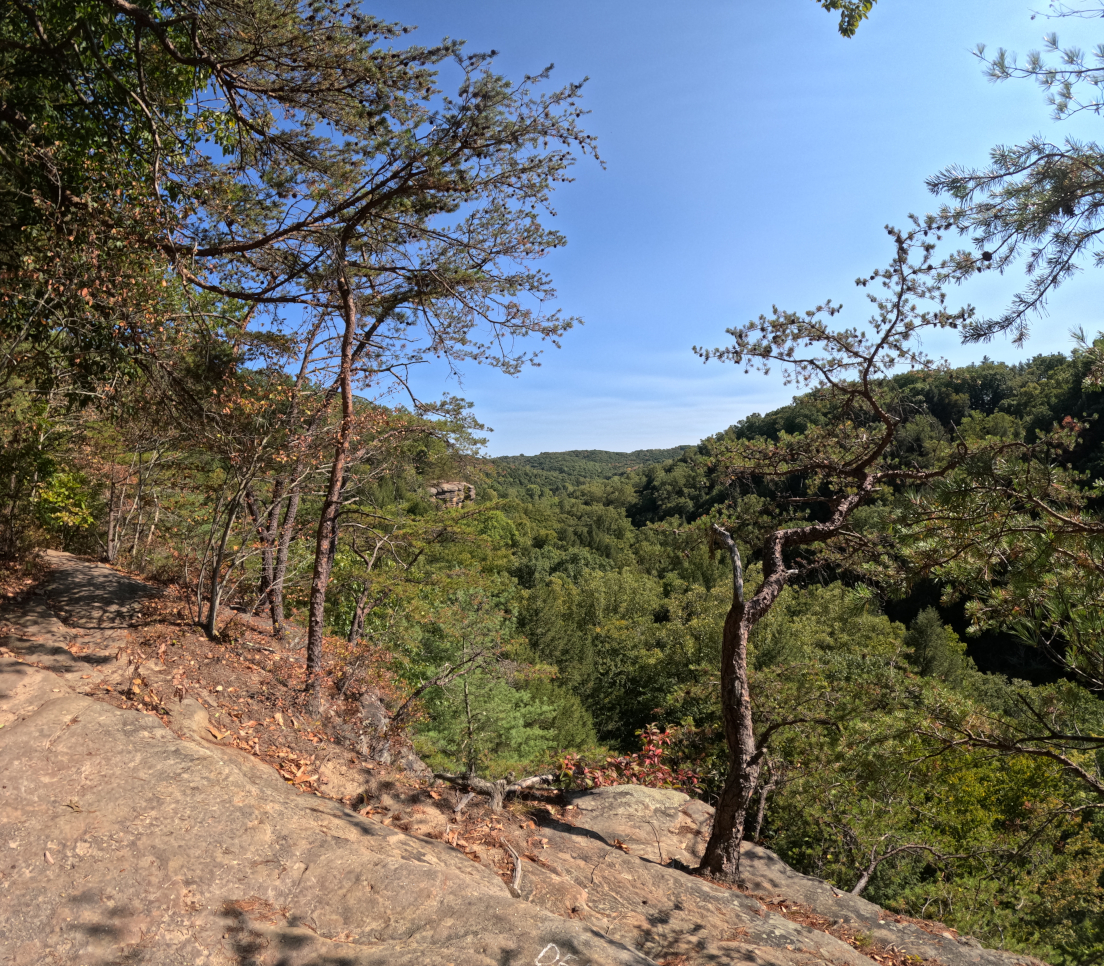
x=373, y=712
x=379, y=744
x=122, y=841
x=452, y=494
x=658, y=826
x=374, y=742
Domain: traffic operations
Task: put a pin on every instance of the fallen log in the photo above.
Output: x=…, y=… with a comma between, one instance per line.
x=497, y=791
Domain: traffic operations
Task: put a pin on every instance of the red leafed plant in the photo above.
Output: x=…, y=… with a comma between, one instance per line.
x=646, y=767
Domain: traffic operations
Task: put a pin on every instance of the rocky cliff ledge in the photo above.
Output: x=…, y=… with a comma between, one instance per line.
x=138, y=838
x=452, y=494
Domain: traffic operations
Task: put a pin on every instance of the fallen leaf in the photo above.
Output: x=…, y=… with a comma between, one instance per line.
x=219, y=735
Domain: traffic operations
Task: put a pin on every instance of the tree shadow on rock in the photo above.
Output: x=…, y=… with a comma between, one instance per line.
x=249, y=943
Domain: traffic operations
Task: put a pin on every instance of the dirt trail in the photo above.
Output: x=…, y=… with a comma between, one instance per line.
x=92, y=596
x=77, y=620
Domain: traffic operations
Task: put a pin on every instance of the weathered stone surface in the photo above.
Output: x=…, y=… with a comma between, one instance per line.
x=655, y=908
x=373, y=712
x=650, y=820
x=656, y=823
x=188, y=717
x=452, y=493
x=123, y=843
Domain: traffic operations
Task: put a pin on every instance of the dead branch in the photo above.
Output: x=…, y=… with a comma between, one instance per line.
x=497, y=791
x=515, y=887
x=449, y=673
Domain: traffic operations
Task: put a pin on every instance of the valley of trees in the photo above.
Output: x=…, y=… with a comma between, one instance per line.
x=865, y=625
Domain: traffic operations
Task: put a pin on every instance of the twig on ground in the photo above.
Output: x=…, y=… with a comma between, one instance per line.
x=515, y=888
x=462, y=803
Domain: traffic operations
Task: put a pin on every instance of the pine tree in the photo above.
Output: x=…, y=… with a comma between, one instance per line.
x=933, y=649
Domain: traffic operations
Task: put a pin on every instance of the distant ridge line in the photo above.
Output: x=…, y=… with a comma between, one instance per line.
x=670, y=452
x=558, y=472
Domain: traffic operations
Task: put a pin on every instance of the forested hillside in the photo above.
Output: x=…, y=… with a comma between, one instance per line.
x=560, y=471
x=563, y=625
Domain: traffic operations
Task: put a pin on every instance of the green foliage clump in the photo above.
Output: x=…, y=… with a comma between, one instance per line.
x=933, y=649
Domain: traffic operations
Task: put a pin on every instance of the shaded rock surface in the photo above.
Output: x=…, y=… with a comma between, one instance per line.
x=122, y=841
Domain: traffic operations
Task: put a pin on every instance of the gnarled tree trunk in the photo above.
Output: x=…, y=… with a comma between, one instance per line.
x=722, y=853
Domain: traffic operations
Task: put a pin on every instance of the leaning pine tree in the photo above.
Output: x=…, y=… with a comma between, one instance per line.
x=795, y=498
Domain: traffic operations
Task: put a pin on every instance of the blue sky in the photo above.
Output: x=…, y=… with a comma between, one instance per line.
x=753, y=157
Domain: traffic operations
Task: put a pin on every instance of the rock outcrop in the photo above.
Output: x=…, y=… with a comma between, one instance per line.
x=452, y=494
x=634, y=831
x=128, y=839
x=124, y=843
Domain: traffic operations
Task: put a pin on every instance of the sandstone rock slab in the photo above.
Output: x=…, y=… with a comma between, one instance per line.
x=121, y=843
x=650, y=821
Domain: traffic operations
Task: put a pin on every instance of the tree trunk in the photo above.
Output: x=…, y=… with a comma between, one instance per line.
x=287, y=528
x=326, y=540
x=761, y=812
x=152, y=529
x=722, y=853
x=115, y=509
x=470, y=755
x=265, y=525
x=210, y=623
x=356, y=625
x=279, y=571
x=864, y=881
x=497, y=791
x=137, y=538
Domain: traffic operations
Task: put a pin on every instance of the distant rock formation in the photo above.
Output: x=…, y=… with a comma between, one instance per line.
x=452, y=494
